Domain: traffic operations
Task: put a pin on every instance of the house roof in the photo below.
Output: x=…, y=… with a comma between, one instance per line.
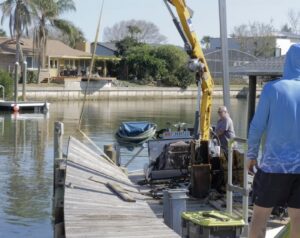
x=109, y=45
x=58, y=49
x=54, y=48
x=287, y=35
x=262, y=67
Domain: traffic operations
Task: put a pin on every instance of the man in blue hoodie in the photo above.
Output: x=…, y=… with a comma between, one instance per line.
x=277, y=181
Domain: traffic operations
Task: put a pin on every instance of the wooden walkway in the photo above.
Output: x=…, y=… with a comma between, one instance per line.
x=92, y=207
x=95, y=198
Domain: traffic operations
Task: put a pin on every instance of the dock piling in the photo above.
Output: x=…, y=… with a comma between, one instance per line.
x=24, y=80
x=110, y=151
x=16, y=81
x=59, y=174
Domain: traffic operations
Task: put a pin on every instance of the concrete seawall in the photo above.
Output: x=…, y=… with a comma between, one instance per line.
x=126, y=93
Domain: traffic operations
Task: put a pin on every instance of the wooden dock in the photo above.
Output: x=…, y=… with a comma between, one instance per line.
x=95, y=198
x=93, y=205
x=25, y=106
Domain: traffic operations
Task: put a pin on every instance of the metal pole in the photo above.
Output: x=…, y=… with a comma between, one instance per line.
x=229, y=180
x=24, y=80
x=246, y=197
x=225, y=60
x=251, y=99
x=16, y=81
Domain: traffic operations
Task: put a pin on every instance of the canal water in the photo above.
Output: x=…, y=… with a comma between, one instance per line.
x=26, y=151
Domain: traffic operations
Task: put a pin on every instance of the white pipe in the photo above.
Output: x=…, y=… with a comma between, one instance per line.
x=224, y=46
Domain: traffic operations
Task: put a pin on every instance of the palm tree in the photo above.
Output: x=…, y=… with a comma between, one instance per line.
x=47, y=13
x=19, y=14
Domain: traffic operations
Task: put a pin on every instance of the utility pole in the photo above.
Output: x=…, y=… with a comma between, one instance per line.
x=225, y=59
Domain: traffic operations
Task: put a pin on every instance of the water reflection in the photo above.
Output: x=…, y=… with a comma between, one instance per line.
x=26, y=151
x=25, y=176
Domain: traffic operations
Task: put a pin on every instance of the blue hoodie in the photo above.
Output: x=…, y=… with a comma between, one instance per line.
x=278, y=116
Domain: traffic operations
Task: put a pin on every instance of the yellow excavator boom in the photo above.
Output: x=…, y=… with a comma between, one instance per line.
x=196, y=52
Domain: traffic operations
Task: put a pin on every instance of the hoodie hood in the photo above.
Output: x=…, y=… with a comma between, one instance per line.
x=292, y=63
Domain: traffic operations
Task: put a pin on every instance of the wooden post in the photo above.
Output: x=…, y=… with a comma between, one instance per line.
x=58, y=140
x=251, y=99
x=16, y=81
x=110, y=151
x=59, y=174
x=118, y=154
x=24, y=80
x=104, y=68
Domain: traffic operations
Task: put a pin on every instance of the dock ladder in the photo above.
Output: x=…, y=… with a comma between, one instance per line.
x=233, y=188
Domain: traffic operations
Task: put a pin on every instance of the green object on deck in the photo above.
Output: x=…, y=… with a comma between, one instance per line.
x=285, y=232
x=211, y=224
x=212, y=218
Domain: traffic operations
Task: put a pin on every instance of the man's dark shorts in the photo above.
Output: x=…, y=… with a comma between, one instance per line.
x=271, y=190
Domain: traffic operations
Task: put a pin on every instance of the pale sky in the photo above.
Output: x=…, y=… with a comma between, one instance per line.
x=205, y=20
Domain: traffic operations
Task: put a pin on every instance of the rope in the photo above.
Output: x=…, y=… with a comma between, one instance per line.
x=86, y=88
x=97, y=147
x=91, y=66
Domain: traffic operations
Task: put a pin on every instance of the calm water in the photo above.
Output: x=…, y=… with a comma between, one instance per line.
x=26, y=151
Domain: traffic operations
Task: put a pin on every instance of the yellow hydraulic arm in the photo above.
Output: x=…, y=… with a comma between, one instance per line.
x=203, y=75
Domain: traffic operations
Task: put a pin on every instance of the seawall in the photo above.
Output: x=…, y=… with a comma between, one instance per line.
x=120, y=93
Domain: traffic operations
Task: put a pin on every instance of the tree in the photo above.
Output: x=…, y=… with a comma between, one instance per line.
x=294, y=21
x=166, y=64
x=7, y=82
x=19, y=14
x=256, y=38
x=47, y=13
x=144, y=31
x=172, y=55
x=286, y=28
x=143, y=65
x=70, y=36
x=2, y=33
x=205, y=41
x=134, y=31
x=125, y=44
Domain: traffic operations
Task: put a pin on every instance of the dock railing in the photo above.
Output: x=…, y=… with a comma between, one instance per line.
x=233, y=188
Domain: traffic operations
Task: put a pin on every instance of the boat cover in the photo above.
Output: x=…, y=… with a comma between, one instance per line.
x=134, y=128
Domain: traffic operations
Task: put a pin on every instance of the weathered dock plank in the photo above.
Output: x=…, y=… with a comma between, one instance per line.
x=92, y=209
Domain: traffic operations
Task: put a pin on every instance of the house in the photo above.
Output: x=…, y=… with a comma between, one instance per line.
x=283, y=40
x=60, y=59
x=106, y=58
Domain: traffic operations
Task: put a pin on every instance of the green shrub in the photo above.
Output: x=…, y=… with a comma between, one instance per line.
x=7, y=82
x=185, y=76
x=32, y=76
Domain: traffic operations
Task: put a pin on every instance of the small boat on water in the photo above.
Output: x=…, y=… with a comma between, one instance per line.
x=135, y=133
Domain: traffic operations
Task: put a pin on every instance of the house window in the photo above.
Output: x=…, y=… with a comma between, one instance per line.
x=31, y=62
x=53, y=64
